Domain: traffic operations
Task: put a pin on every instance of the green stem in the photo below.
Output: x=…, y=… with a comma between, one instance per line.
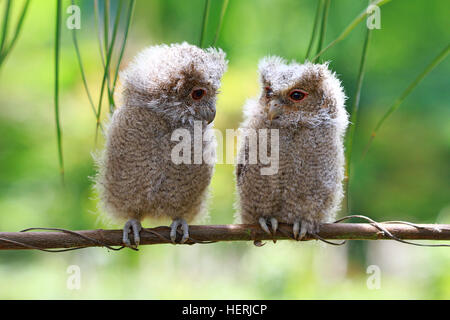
x=80, y=64
x=314, y=31
x=16, y=32
x=124, y=42
x=56, y=93
x=106, y=24
x=205, y=22
x=5, y=25
x=97, y=27
x=105, y=73
x=438, y=59
x=349, y=28
x=114, y=36
x=354, y=115
x=222, y=15
x=323, y=27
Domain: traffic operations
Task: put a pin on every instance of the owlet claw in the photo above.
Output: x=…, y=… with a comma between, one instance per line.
x=273, y=223
x=134, y=226
x=174, y=227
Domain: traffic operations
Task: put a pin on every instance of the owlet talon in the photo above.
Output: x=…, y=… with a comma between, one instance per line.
x=134, y=226
x=184, y=228
x=263, y=224
x=274, y=224
x=296, y=229
x=303, y=231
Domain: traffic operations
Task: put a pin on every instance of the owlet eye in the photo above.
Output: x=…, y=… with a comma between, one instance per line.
x=297, y=95
x=198, y=93
x=268, y=91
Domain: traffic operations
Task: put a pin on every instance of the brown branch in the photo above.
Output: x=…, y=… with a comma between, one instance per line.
x=215, y=233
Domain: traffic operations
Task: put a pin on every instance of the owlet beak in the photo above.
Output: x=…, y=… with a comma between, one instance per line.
x=274, y=112
x=210, y=115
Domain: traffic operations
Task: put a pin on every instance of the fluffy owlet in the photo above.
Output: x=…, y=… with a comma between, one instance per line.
x=166, y=87
x=305, y=103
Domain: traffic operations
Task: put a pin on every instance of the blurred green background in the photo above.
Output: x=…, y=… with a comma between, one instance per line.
x=405, y=175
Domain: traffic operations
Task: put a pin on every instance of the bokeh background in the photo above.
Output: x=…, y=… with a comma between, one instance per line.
x=405, y=175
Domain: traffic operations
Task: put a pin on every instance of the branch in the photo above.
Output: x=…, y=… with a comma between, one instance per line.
x=215, y=233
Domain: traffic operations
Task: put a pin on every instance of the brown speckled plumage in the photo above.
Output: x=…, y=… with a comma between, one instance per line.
x=137, y=177
x=307, y=189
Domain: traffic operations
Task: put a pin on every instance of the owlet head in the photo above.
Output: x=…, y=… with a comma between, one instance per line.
x=299, y=94
x=178, y=81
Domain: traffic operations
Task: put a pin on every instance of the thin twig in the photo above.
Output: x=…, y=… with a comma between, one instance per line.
x=66, y=239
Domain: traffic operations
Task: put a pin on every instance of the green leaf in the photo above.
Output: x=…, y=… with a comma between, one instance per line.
x=438, y=59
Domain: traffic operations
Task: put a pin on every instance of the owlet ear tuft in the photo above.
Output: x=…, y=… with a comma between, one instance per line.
x=268, y=66
x=218, y=57
x=316, y=73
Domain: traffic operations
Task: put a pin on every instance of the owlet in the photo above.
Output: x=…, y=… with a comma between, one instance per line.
x=305, y=104
x=165, y=88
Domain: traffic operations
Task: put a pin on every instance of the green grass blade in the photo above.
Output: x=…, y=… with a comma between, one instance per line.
x=97, y=27
x=5, y=25
x=354, y=115
x=105, y=73
x=438, y=59
x=124, y=42
x=80, y=64
x=204, y=23
x=349, y=28
x=314, y=31
x=114, y=36
x=323, y=26
x=56, y=92
x=219, y=26
x=16, y=32
x=106, y=22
